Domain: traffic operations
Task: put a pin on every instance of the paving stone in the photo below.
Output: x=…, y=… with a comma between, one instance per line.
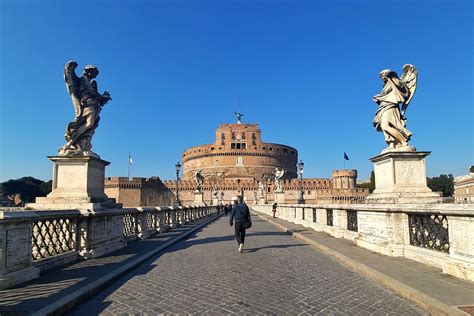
x=275, y=275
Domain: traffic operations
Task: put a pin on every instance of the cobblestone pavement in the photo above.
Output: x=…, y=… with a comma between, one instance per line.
x=275, y=275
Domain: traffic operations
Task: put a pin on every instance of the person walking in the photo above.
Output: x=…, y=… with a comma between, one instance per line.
x=274, y=209
x=241, y=214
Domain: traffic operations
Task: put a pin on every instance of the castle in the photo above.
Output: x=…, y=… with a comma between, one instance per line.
x=238, y=162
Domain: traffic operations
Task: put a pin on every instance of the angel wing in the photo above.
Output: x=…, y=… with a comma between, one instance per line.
x=410, y=79
x=73, y=84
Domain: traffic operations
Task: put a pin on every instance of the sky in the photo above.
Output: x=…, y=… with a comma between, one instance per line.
x=305, y=71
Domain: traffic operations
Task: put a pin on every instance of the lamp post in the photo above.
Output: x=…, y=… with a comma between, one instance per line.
x=178, y=167
x=300, y=168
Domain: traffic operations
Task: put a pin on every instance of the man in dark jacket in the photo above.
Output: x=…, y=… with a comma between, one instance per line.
x=241, y=214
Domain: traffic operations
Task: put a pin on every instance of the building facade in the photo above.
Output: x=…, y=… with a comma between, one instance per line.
x=464, y=188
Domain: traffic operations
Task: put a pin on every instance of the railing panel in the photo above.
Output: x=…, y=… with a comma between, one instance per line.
x=329, y=217
x=129, y=225
x=352, y=221
x=52, y=237
x=429, y=231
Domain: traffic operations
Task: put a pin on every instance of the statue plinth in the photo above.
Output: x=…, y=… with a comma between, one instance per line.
x=280, y=197
x=78, y=182
x=198, y=197
x=400, y=177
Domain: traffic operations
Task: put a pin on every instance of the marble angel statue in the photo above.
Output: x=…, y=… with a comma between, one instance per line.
x=393, y=102
x=278, y=173
x=87, y=102
x=198, y=177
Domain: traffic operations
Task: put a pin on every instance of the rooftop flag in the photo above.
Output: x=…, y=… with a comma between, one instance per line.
x=345, y=156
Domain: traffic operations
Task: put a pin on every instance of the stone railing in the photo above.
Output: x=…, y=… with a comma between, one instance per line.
x=34, y=241
x=440, y=235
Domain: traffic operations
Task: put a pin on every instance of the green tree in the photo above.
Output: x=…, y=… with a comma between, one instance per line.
x=370, y=185
x=28, y=187
x=443, y=183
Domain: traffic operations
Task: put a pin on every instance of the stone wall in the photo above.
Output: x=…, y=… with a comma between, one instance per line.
x=138, y=191
x=439, y=235
x=35, y=241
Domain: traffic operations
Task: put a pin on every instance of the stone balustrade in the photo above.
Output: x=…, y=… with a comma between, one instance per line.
x=34, y=241
x=439, y=235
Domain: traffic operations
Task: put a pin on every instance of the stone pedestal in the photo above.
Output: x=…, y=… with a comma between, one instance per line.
x=280, y=197
x=78, y=182
x=262, y=200
x=198, y=197
x=400, y=177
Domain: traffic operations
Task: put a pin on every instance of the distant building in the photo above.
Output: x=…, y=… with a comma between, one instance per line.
x=464, y=188
x=138, y=191
x=237, y=163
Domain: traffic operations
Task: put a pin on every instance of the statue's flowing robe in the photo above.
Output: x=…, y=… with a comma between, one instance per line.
x=90, y=101
x=393, y=93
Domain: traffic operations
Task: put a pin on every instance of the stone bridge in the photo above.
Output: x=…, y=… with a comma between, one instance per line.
x=311, y=259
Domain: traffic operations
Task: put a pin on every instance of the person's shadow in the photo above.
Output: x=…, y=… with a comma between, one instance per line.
x=274, y=246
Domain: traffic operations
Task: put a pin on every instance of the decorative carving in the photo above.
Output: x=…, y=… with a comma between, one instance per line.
x=87, y=102
x=389, y=118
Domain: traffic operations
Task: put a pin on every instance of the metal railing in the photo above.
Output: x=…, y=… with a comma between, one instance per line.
x=429, y=231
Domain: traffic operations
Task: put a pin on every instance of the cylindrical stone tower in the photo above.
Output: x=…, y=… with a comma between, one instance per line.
x=344, y=179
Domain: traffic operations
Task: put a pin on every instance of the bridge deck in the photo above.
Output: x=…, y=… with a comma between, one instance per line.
x=276, y=274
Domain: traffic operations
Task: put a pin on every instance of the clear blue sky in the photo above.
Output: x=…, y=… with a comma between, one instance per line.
x=305, y=71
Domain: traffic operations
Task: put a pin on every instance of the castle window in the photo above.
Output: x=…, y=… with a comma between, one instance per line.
x=222, y=135
x=285, y=150
x=233, y=135
x=254, y=136
x=238, y=145
x=243, y=135
x=222, y=143
x=254, y=143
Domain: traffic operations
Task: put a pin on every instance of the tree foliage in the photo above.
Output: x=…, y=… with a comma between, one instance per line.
x=443, y=183
x=28, y=187
x=370, y=185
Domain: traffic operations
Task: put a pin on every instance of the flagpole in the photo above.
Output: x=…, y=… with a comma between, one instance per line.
x=128, y=162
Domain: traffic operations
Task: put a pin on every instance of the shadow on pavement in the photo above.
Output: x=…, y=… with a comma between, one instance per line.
x=274, y=246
